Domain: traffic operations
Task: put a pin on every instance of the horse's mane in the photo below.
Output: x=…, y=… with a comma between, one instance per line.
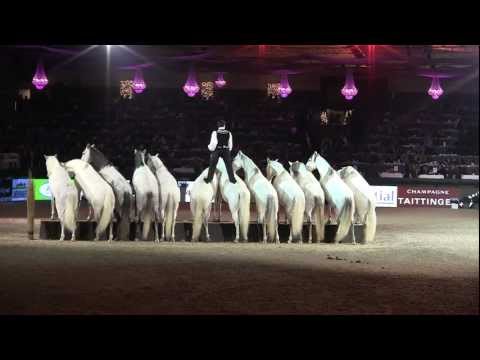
x=97, y=159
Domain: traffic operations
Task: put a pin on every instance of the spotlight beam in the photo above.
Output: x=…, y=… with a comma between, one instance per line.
x=75, y=57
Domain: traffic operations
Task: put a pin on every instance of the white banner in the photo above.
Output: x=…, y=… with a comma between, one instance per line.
x=385, y=196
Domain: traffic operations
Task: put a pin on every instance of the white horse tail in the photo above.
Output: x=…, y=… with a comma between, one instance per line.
x=147, y=216
x=124, y=226
x=319, y=214
x=297, y=221
x=345, y=219
x=169, y=215
x=70, y=217
x=271, y=218
x=107, y=213
x=244, y=214
x=197, y=219
x=370, y=224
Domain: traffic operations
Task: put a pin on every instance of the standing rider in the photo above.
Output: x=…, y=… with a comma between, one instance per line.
x=220, y=145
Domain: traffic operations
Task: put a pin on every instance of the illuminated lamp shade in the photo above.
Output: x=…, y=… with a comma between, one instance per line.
x=349, y=90
x=191, y=87
x=220, y=82
x=284, y=90
x=40, y=78
x=435, y=90
x=138, y=83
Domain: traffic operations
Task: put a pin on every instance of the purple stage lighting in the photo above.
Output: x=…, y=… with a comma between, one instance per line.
x=191, y=87
x=220, y=82
x=349, y=90
x=284, y=89
x=435, y=90
x=138, y=83
x=40, y=78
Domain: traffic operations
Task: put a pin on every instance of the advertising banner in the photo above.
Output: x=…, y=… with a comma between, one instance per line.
x=426, y=196
x=19, y=189
x=385, y=196
x=41, y=189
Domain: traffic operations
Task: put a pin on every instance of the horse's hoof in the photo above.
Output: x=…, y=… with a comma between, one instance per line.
x=235, y=241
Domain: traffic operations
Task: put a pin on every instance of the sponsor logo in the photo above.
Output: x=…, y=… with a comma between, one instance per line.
x=421, y=196
x=385, y=196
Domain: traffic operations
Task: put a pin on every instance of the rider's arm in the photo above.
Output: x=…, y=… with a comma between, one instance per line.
x=213, y=141
x=230, y=142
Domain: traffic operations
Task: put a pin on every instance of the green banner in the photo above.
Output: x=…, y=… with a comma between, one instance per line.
x=41, y=189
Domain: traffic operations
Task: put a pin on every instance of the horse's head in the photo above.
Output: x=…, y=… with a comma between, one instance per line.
x=237, y=162
x=139, y=157
x=86, y=154
x=296, y=167
x=154, y=162
x=311, y=165
x=274, y=168
x=50, y=161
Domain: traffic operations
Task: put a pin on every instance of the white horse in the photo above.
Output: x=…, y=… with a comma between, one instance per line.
x=98, y=193
x=121, y=187
x=291, y=197
x=338, y=195
x=169, y=196
x=266, y=199
x=364, y=200
x=314, y=198
x=201, y=198
x=147, y=195
x=237, y=196
x=65, y=194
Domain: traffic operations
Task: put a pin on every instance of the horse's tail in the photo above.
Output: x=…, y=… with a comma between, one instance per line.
x=169, y=216
x=370, y=223
x=71, y=206
x=319, y=214
x=297, y=219
x=198, y=214
x=124, y=226
x=345, y=219
x=271, y=213
x=106, y=215
x=244, y=213
x=147, y=216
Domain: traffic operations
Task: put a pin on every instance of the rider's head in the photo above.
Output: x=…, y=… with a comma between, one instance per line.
x=221, y=123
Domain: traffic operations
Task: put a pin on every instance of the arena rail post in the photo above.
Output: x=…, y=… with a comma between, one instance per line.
x=30, y=207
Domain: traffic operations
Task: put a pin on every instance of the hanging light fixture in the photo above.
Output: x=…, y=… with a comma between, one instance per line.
x=349, y=90
x=40, y=78
x=435, y=90
x=191, y=87
x=220, y=82
x=284, y=89
x=138, y=84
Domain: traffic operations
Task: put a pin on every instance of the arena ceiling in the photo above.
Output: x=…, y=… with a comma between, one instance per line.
x=262, y=59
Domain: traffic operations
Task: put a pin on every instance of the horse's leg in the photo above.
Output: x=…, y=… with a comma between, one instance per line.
x=62, y=235
x=352, y=233
x=289, y=222
x=237, y=225
x=90, y=212
x=205, y=221
x=162, y=219
x=52, y=203
x=73, y=234
x=155, y=222
x=110, y=237
x=137, y=227
x=175, y=209
x=309, y=217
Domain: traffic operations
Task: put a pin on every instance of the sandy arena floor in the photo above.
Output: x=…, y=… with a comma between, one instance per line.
x=424, y=261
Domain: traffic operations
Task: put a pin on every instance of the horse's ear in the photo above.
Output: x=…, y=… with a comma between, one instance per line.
x=290, y=163
x=268, y=160
x=93, y=145
x=157, y=154
x=88, y=146
x=45, y=156
x=55, y=155
x=276, y=160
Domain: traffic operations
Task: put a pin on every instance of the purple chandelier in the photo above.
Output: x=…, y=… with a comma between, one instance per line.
x=435, y=90
x=349, y=90
x=284, y=89
x=40, y=78
x=191, y=87
x=220, y=82
x=139, y=84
